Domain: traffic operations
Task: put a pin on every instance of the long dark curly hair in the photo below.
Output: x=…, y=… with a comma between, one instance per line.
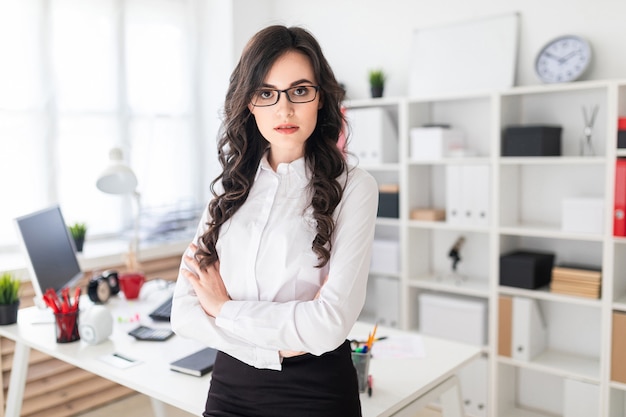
x=241, y=146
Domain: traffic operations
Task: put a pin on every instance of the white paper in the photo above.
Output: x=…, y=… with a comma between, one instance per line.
x=400, y=347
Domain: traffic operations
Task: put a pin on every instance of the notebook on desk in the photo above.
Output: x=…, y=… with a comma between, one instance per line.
x=198, y=363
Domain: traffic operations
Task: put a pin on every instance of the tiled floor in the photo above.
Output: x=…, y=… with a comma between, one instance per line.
x=140, y=406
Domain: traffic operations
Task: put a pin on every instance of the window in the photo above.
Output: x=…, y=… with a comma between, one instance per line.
x=79, y=78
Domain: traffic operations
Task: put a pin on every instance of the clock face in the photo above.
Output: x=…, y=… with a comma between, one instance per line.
x=563, y=59
x=104, y=291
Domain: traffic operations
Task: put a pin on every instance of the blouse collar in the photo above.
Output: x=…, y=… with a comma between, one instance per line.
x=296, y=167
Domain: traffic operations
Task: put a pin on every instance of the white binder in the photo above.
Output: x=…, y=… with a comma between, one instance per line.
x=373, y=137
x=529, y=336
x=467, y=194
x=473, y=378
x=476, y=185
x=454, y=196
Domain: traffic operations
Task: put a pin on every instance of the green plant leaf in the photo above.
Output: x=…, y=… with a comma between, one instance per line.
x=9, y=288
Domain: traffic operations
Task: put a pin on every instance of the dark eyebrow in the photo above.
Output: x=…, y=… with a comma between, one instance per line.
x=293, y=84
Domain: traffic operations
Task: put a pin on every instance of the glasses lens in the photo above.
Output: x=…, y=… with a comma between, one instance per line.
x=265, y=98
x=302, y=94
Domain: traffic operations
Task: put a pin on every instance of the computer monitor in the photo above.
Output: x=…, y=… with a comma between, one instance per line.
x=50, y=250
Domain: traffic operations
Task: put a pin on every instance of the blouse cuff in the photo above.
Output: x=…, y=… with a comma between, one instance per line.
x=227, y=319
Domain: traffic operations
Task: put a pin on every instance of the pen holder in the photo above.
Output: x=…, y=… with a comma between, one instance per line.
x=361, y=362
x=66, y=327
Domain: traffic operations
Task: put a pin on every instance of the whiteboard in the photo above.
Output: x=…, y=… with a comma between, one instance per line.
x=471, y=56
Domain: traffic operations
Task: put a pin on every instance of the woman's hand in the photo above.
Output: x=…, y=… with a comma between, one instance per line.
x=289, y=353
x=208, y=284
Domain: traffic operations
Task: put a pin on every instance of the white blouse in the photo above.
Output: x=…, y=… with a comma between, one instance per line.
x=268, y=266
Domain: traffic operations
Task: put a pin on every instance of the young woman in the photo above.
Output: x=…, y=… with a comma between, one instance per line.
x=277, y=273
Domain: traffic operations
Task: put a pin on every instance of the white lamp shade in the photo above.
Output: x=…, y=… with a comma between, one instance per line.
x=117, y=178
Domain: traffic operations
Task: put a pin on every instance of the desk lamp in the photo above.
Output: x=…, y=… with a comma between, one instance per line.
x=119, y=178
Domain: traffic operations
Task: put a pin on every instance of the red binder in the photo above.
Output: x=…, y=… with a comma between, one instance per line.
x=619, y=215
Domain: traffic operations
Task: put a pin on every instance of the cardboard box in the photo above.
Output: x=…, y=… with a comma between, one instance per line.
x=463, y=319
x=618, y=348
x=426, y=214
x=582, y=215
x=505, y=325
x=433, y=143
x=526, y=269
x=531, y=141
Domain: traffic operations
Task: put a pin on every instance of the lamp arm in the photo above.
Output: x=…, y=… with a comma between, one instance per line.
x=134, y=245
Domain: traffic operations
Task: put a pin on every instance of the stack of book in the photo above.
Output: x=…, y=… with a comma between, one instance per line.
x=582, y=281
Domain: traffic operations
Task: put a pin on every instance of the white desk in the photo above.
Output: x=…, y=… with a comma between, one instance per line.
x=401, y=386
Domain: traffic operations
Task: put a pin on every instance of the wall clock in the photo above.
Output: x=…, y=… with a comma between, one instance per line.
x=563, y=59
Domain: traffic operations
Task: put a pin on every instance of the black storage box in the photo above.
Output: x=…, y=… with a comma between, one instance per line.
x=388, y=205
x=621, y=138
x=531, y=141
x=526, y=269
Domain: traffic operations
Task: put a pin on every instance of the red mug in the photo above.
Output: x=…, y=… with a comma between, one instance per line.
x=131, y=283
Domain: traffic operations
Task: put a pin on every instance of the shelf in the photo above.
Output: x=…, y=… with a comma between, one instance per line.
x=520, y=412
x=545, y=294
x=618, y=385
x=390, y=167
x=472, y=286
x=387, y=221
x=563, y=364
x=548, y=231
x=478, y=160
x=526, y=200
x=620, y=303
x=557, y=88
x=433, y=225
x=374, y=102
x=385, y=274
x=620, y=240
x=553, y=160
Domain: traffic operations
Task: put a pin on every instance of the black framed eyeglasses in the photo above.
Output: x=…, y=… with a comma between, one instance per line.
x=266, y=97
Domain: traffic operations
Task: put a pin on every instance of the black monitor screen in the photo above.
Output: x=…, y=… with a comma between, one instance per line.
x=50, y=250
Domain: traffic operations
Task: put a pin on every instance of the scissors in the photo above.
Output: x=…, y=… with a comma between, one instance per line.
x=356, y=344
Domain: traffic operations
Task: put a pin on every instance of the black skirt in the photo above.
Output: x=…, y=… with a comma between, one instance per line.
x=307, y=386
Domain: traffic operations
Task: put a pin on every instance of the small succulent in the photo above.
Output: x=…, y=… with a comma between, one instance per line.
x=9, y=288
x=377, y=78
x=78, y=230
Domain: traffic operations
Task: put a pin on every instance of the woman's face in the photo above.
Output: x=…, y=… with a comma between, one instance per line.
x=287, y=125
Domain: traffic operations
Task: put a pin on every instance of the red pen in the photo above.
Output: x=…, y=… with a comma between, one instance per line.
x=76, y=299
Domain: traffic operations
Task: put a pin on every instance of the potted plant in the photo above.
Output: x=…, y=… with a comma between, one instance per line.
x=377, y=82
x=78, y=232
x=9, y=298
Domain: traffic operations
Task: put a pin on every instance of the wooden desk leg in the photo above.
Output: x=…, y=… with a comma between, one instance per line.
x=17, y=382
x=451, y=399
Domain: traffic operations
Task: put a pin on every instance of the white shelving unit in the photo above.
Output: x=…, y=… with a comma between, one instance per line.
x=523, y=212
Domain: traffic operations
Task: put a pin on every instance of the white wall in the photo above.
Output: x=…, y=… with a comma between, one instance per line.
x=358, y=35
